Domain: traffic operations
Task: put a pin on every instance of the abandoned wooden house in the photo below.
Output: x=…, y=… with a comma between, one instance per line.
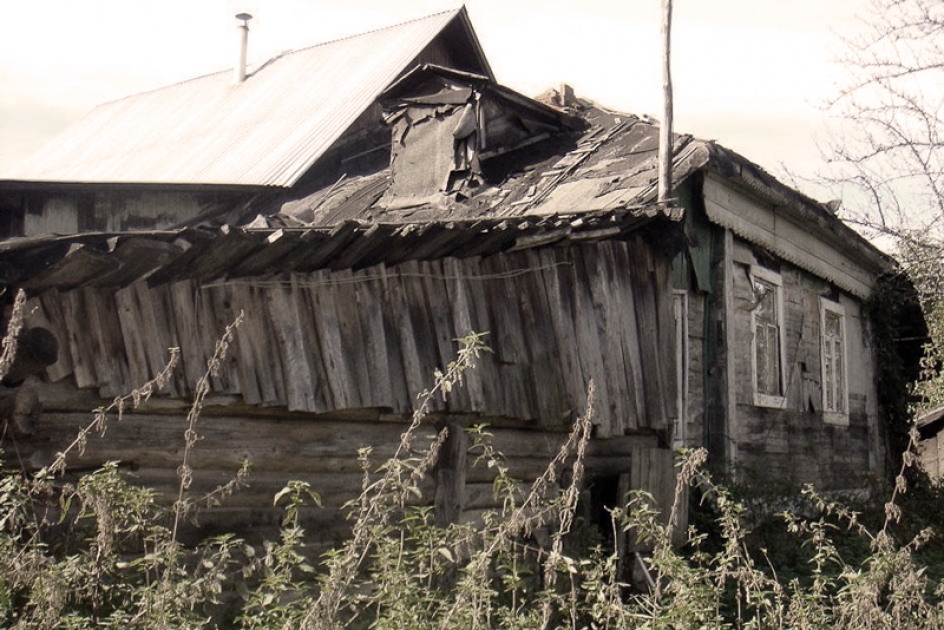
x=369, y=201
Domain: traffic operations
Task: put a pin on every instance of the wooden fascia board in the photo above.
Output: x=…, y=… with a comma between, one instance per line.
x=776, y=232
x=476, y=44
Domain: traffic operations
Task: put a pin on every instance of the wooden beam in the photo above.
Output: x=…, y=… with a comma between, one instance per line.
x=665, y=130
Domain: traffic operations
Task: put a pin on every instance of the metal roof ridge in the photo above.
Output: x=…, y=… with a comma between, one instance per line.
x=275, y=57
x=373, y=31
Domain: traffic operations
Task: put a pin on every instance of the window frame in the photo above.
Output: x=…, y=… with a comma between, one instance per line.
x=772, y=278
x=680, y=307
x=834, y=416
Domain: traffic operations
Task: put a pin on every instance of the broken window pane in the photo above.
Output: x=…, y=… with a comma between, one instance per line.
x=767, y=352
x=834, y=394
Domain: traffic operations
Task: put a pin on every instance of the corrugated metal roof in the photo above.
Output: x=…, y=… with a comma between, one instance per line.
x=266, y=131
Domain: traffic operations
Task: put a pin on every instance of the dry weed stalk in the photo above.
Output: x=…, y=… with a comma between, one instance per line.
x=13, y=332
x=184, y=471
x=533, y=512
x=99, y=423
x=379, y=499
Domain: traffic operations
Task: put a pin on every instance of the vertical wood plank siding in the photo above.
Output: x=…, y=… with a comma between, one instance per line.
x=332, y=340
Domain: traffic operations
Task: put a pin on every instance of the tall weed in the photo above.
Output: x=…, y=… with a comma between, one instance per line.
x=105, y=554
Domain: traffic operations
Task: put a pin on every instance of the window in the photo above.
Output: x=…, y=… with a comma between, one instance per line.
x=835, y=391
x=767, y=342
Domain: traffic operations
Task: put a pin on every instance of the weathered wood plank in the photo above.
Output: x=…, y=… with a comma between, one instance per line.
x=150, y=325
x=164, y=314
x=632, y=359
x=340, y=380
x=509, y=350
x=561, y=318
x=245, y=344
x=49, y=315
x=334, y=488
x=374, y=339
x=291, y=346
x=412, y=371
x=80, y=265
x=260, y=329
x=547, y=377
x=192, y=346
x=441, y=326
x=131, y=335
x=288, y=445
x=475, y=283
x=320, y=388
x=217, y=309
x=589, y=345
x=449, y=499
x=647, y=318
x=267, y=257
x=457, y=293
x=423, y=339
x=323, y=250
x=223, y=254
x=104, y=331
x=296, y=258
x=345, y=300
x=665, y=317
x=135, y=258
x=77, y=339
x=599, y=274
x=387, y=287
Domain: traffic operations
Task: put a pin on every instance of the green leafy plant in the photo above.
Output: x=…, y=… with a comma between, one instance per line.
x=104, y=553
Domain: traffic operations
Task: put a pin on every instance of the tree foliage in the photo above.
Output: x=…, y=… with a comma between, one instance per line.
x=886, y=155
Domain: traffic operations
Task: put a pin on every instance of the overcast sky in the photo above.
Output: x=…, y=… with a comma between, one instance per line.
x=748, y=73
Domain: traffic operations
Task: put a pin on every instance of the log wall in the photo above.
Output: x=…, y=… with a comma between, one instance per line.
x=323, y=451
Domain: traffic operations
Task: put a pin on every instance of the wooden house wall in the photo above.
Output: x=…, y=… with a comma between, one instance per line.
x=110, y=212
x=794, y=443
x=329, y=362
x=695, y=371
x=58, y=215
x=323, y=451
x=142, y=210
x=331, y=340
x=931, y=454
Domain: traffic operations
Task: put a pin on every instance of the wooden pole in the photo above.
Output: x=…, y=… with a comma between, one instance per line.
x=665, y=131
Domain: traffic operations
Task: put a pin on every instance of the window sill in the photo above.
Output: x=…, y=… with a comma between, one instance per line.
x=836, y=419
x=766, y=400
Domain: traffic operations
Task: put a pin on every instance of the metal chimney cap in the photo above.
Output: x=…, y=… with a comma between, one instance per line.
x=245, y=17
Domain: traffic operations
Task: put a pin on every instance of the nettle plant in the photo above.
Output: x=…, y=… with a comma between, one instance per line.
x=103, y=553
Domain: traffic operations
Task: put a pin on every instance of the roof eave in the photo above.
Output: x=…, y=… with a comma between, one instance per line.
x=754, y=180
x=463, y=15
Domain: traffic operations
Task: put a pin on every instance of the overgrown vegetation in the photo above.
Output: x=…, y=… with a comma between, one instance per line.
x=885, y=157
x=105, y=554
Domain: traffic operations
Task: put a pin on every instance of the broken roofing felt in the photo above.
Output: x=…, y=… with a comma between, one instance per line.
x=463, y=147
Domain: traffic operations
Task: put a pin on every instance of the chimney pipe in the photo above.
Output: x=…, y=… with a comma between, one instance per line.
x=243, y=45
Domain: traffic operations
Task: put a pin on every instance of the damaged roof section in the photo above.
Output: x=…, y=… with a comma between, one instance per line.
x=464, y=147
x=118, y=259
x=445, y=124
